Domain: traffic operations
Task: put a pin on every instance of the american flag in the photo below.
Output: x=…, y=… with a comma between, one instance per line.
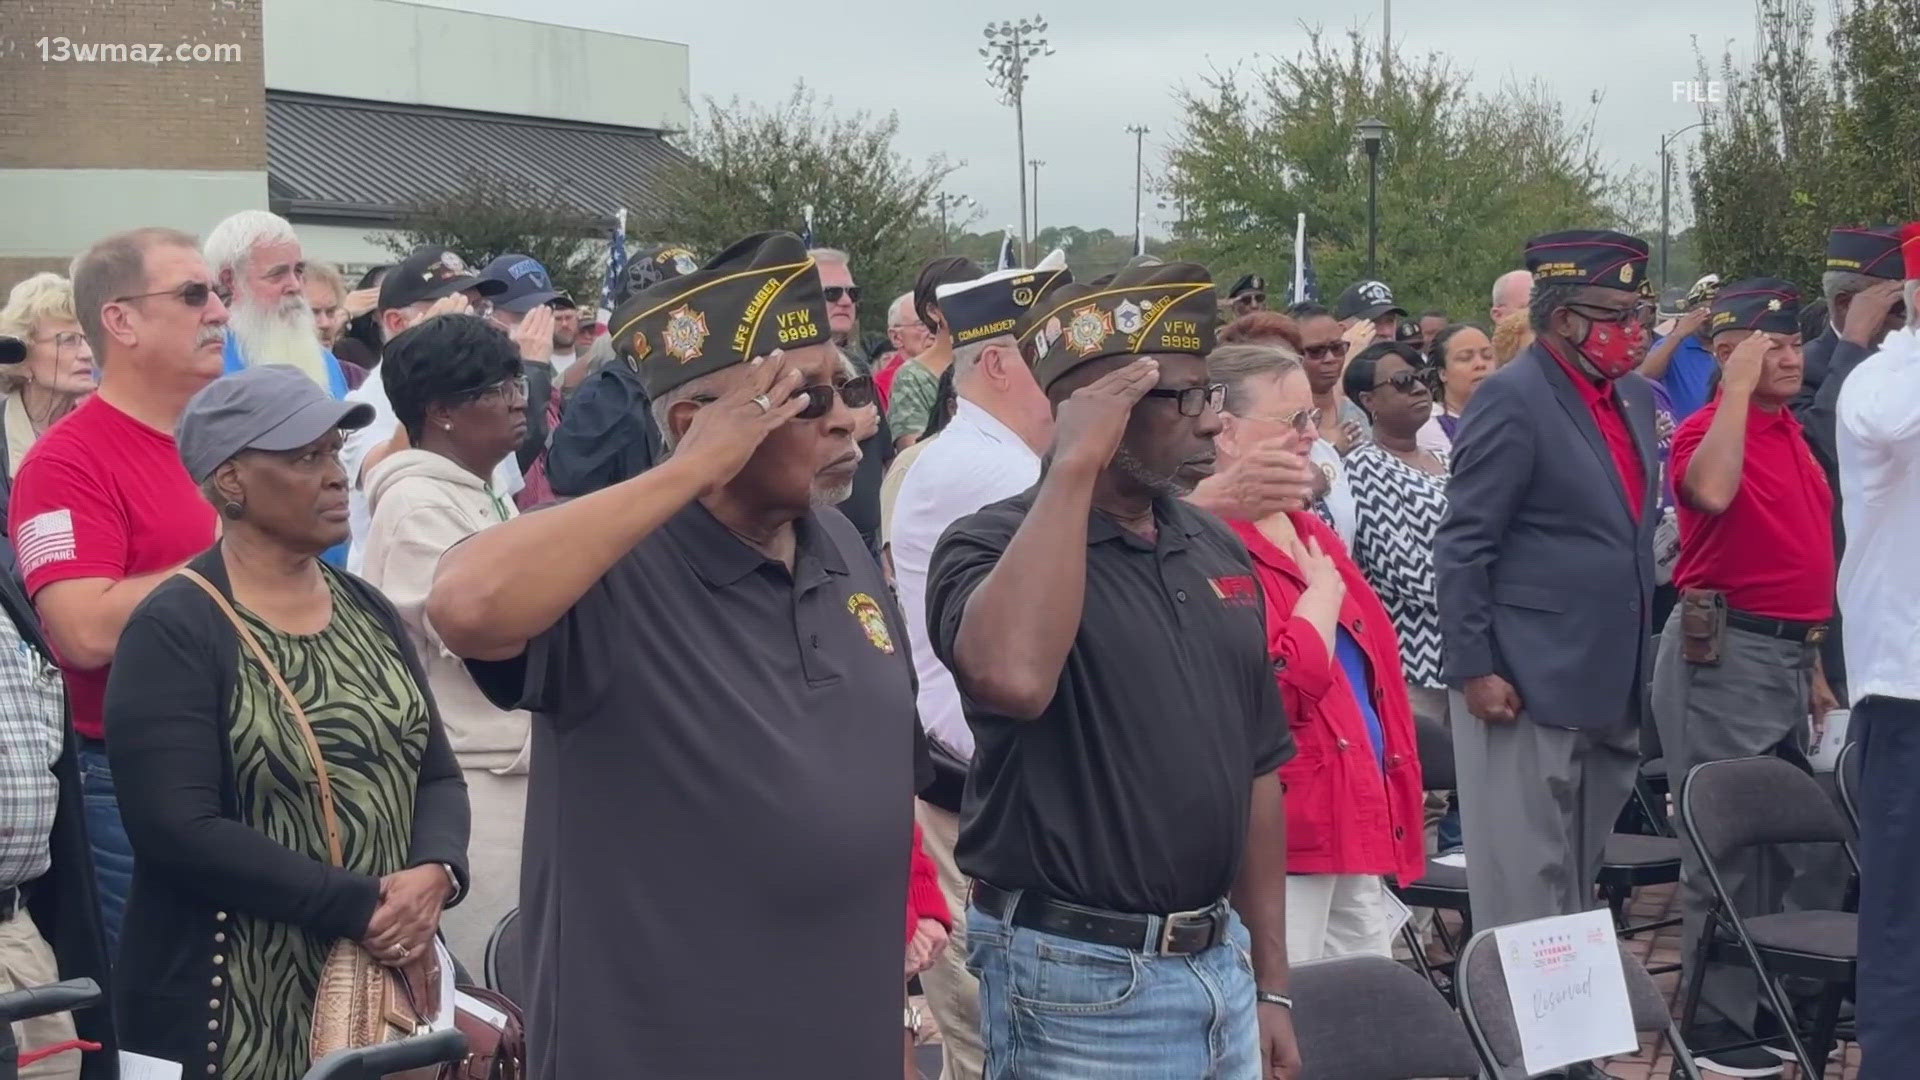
x=616, y=268
x=1006, y=260
x=1305, y=288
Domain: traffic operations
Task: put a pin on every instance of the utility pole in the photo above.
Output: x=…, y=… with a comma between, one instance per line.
x=1035, y=164
x=945, y=202
x=1386, y=42
x=1139, y=133
x=1010, y=47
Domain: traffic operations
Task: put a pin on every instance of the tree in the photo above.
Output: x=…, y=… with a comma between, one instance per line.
x=1464, y=178
x=751, y=168
x=485, y=215
x=1809, y=139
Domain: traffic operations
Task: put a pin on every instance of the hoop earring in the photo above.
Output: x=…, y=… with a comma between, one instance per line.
x=232, y=510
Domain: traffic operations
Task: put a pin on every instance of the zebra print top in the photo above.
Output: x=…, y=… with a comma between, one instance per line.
x=1397, y=510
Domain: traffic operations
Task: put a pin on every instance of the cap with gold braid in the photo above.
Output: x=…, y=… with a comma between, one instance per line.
x=1588, y=257
x=761, y=294
x=991, y=306
x=1874, y=251
x=1766, y=304
x=1139, y=311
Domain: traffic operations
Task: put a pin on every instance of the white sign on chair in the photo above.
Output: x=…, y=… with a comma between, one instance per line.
x=1569, y=992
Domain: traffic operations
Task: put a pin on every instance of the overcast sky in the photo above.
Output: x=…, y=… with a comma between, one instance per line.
x=1122, y=62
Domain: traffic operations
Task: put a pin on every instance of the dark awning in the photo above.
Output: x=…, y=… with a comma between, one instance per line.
x=341, y=159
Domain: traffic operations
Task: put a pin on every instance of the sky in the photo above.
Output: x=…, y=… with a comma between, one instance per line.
x=1123, y=62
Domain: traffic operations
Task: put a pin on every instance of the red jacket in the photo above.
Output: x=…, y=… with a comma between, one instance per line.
x=924, y=898
x=1343, y=815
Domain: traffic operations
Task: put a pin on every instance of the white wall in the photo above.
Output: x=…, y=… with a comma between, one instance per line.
x=345, y=246
x=63, y=211
x=386, y=50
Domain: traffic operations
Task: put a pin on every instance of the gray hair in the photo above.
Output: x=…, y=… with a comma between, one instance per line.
x=1549, y=297
x=900, y=312
x=230, y=245
x=828, y=255
x=1237, y=365
x=712, y=384
x=1499, y=283
x=115, y=266
x=1837, y=283
x=966, y=356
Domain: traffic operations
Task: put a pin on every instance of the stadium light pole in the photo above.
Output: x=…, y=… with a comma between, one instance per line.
x=1010, y=47
x=1139, y=133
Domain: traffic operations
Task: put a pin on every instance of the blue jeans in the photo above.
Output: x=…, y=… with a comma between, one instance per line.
x=107, y=836
x=1052, y=1008
x=1889, y=986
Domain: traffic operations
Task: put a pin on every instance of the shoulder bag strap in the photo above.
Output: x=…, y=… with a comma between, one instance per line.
x=331, y=822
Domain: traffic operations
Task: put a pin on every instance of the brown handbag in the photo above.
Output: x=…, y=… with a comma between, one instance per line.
x=359, y=1001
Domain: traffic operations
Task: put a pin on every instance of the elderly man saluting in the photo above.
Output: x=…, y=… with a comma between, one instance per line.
x=1109, y=642
x=720, y=808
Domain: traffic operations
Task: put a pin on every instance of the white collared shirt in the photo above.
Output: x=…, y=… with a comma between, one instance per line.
x=1339, y=497
x=975, y=460
x=1878, y=439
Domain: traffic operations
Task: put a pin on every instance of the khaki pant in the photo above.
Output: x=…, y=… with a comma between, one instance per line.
x=499, y=807
x=1331, y=915
x=27, y=960
x=953, y=994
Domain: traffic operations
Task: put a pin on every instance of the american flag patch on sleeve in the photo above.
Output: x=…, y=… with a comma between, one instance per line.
x=45, y=538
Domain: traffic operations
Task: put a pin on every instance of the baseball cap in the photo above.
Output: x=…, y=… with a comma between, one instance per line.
x=524, y=284
x=1366, y=300
x=268, y=407
x=430, y=273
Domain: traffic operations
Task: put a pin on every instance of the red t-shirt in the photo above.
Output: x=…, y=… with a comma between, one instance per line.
x=1609, y=414
x=1771, y=551
x=884, y=375
x=102, y=495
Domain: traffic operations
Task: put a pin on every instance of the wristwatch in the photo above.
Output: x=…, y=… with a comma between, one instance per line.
x=1267, y=997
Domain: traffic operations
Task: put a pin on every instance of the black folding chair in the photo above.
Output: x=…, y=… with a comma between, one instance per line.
x=375, y=1062
x=1846, y=779
x=35, y=1001
x=1634, y=860
x=1487, y=1009
x=1441, y=887
x=1343, y=1006
x=1759, y=802
x=505, y=963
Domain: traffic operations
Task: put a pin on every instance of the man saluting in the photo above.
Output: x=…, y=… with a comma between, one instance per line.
x=1110, y=648
x=724, y=747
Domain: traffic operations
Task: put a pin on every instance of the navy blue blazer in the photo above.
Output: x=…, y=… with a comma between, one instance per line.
x=1543, y=576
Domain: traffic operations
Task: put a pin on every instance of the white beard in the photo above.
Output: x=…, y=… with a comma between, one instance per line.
x=285, y=335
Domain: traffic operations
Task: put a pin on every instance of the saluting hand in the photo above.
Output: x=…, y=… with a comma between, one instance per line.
x=1358, y=337
x=1742, y=371
x=360, y=301
x=451, y=304
x=726, y=432
x=1868, y=311
x=1088, y=427
x=534, y=335
x=1270, y=479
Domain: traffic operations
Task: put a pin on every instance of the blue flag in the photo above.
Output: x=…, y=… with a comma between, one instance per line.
x=616, y=269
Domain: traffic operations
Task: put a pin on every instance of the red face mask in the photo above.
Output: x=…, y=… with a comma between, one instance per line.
x=1613, y=348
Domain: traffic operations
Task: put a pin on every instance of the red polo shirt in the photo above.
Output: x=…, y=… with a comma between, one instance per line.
x=1609, y=413
x=1771, y=551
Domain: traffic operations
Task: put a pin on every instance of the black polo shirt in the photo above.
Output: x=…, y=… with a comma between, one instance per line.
x=720, y=812
x=1130, y=792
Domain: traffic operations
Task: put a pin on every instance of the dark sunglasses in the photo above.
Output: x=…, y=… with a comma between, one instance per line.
x=1252, y=298
x=192, y=294
x=857, y=393
x=1404, y=381
x=1600, y=314
x=833, y=293
x=1195, y=400
x=1321, y=352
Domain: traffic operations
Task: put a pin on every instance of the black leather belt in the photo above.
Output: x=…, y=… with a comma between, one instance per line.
x=1179, y=934
x=1811, y=633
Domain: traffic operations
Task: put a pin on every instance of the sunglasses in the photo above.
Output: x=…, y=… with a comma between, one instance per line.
x=1404, y=381
x=1596, y=313
x=1303, y=421
x=833, y=293
x=1195, y=400
x=192, y=294
x=1252, y=298
x=1321, y=352
x=857, y=393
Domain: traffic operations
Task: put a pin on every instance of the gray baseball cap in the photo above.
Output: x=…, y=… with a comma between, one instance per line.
x=269, y=407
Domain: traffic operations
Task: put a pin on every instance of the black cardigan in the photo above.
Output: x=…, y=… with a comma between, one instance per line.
x=169, y=716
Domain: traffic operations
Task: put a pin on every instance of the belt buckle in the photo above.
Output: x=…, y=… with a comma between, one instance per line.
x=1164, y=947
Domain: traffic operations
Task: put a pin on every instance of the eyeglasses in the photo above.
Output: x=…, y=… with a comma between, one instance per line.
x=1195, y=400
x=833, y=293
x=1605, y=314
x=1404, y=381
x=1302, y=421
x=504, y=390
x=856, y=393
x=64, y=341
x=1321, y=352
x=192, y=294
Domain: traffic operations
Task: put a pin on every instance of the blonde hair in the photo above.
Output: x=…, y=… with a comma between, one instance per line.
x=325, y=274
x=1512, y=336
x=43, y=298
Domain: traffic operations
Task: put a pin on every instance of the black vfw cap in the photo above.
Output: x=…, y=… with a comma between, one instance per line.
x=1588, y=257
x=991, y=306
x=1248, y=283
x=761, y=294
x=1138, y=311
x=1873, y=251
x=1768, y=304
x=431, y=272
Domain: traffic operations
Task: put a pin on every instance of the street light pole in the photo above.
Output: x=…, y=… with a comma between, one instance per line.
x=1371, y=134
x=1139, y=133
x=1010, y=47
x=944, y=202
x=1035, y=164
x=1666, y=141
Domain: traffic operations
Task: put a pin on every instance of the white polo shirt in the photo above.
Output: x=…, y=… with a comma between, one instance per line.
x=1878, y=441
x=975, y=460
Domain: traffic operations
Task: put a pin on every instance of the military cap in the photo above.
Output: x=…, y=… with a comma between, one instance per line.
x=1767, y=304
x=1248, y=283
x=1871, y=251
x=1138, y=311
x=431, y=272
x=761, y=294
x=1366, y=300
x=991, y=306
x=1588, y=257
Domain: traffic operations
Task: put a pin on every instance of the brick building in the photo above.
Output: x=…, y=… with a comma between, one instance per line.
x=118, y=113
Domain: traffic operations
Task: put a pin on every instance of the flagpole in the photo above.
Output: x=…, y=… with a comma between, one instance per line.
x=1300, y=258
